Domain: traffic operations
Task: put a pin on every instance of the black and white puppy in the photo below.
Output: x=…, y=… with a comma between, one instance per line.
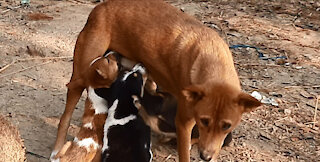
x=126, y=136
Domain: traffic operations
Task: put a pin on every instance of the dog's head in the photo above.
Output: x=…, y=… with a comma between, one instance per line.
x=218, y=108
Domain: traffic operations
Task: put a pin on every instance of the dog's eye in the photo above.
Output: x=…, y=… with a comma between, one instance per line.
x=205, y=122
x=226, y=126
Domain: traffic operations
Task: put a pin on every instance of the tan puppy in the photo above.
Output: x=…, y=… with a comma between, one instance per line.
x=186, y=58
x=100, y=74
x=87, y=144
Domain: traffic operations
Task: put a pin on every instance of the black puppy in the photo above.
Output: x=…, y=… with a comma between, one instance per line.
x=126, y=136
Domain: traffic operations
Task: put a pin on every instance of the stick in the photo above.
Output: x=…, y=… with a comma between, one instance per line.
x=2, y=76
x=36, y=155
x=30, y=59
x=45, y=58
x=5, y=67
x=315, y=112
x=78, y=1
x=10, y=8
x=168, y=157
x=271, y=65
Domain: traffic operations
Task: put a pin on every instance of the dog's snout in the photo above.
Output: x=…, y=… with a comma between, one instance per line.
x=205, y=156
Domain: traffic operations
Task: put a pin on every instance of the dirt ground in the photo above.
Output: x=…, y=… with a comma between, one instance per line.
x=36, y=47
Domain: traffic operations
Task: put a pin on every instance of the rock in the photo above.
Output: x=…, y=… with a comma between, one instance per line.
x=287, y=111
x=280, y=61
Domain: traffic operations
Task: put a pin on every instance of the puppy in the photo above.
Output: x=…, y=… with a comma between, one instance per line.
x=126, y=136
x=88, y=142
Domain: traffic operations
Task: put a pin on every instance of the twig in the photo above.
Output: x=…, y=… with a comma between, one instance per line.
x=5, y=67
x=168, y=157
x=30, y=59
x=315, y=112
x=10, y=8
x=45, y=58
x=2, y=76
x=37, y=155
x=271, y=65
x=78, y=1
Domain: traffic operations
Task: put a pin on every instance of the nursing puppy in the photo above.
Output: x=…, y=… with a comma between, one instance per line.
x=184, y=57
x=88, y=142
x=126, y=136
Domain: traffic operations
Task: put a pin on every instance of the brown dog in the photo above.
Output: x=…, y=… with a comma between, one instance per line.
x=186, y=58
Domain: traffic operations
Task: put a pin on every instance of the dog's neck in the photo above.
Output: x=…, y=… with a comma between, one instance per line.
x=208, y=65
x=205, y=49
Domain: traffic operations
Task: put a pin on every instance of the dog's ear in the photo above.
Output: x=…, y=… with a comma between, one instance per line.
x=248, y=102
x=193, y=93
x=112, y=57
x=102, y=73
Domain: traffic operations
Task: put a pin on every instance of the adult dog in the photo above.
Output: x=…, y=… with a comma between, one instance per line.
x=186, y=58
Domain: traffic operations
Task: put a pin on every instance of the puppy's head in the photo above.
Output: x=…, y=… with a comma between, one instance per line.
x=103, y=72
x=135, y=80
x=218, y=109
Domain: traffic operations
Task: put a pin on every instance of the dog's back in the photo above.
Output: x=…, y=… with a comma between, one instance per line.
x=126, y=136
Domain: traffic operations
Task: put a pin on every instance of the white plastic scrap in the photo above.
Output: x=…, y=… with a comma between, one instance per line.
x=264, y=99
x=256, y=95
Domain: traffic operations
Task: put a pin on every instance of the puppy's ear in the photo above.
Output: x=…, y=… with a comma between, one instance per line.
x=248, y=102
x=112, y=57
x=136, y=102
x=193, y=93
x=102, y=73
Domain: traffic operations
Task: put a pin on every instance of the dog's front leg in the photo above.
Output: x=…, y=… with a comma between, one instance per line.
x=184, y=125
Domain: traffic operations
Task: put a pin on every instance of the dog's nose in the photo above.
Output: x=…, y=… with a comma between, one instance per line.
x=205, y=157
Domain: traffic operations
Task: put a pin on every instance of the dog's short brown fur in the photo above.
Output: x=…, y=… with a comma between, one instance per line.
x=186, y=58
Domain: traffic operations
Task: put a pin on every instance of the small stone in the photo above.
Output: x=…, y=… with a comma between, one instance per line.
x=287, y=111
x=279, y=100
x=280, y=61
x=274, y=102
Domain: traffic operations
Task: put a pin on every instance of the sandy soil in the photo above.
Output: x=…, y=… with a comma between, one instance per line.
x=36, y=45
